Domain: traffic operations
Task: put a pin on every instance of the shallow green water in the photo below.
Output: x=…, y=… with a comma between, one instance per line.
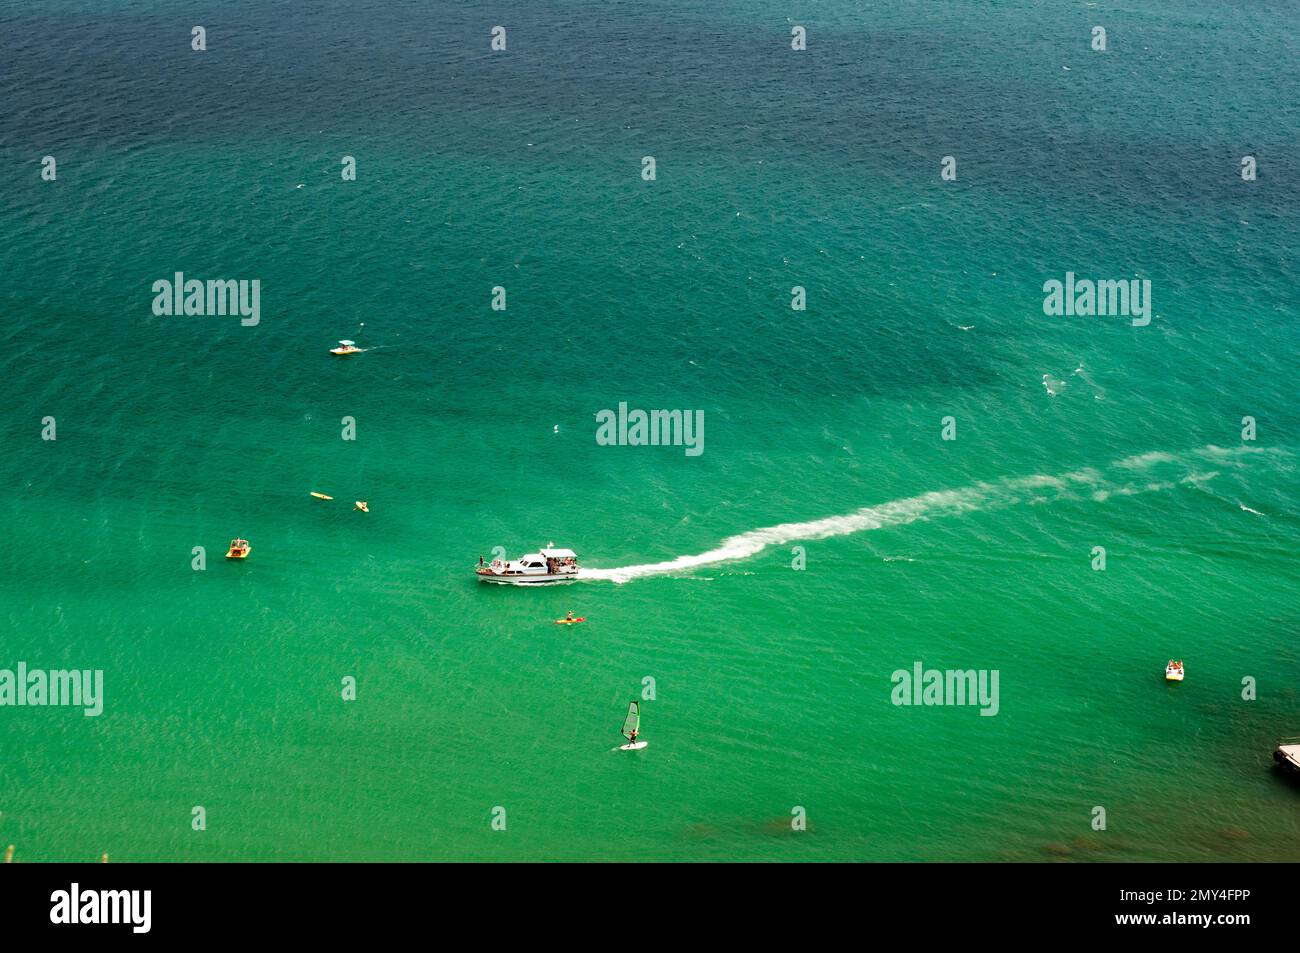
x=772, y=685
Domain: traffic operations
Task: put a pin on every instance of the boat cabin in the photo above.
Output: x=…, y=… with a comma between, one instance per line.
x=559, y=560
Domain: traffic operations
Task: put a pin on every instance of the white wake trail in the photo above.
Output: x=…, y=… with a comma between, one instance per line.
x=755, y=541
x=981, y=496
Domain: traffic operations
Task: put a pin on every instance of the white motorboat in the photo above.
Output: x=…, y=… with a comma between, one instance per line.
x=544, y=567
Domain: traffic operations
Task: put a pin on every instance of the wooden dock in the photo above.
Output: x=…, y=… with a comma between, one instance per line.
x=1287, y=754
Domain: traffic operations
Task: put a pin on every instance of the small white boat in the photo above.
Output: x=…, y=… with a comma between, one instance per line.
x=1287, y=755
x=1174, y=671
x=347, y=347
x=544, y=567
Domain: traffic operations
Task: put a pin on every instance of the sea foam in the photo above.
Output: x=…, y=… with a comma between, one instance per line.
x=940, y=503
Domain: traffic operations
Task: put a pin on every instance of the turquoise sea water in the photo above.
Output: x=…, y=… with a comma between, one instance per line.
x=772, y=685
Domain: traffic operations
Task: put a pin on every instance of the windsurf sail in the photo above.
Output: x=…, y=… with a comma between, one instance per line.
x=633, y=720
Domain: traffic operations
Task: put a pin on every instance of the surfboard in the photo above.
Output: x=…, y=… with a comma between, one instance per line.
x=571, y=621
x=362, y=506
x=321, y=496
x=636, y=747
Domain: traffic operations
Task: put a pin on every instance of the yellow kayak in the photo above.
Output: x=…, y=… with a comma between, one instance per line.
x=321, y=496
x=571, y=621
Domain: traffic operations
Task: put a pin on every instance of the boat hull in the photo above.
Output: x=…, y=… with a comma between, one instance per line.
x=520, y=579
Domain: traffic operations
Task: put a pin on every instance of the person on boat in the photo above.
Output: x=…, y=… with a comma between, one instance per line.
x=569, y=616
x=480, y=561
x=631, y=739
